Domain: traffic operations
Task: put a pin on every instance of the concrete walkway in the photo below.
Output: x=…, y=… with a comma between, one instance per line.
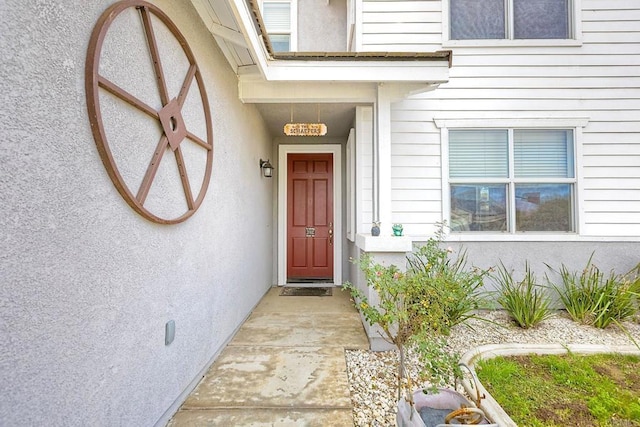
x=285, y=367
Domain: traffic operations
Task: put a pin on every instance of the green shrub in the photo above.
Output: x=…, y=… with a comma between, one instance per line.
x=447, y=282
x=595, y=299
x=526, y=302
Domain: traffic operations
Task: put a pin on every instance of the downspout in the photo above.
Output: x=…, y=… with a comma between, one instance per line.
x=382, y=160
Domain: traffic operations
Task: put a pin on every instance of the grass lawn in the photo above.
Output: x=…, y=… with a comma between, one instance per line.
x=566, y=390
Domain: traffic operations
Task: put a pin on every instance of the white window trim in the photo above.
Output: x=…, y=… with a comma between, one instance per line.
x=293, y=31
x=575, y=28
x=574, y=123
x=351, y=24
x=294, y=26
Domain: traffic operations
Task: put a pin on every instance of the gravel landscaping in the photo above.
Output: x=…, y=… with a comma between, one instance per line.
x=372, y=375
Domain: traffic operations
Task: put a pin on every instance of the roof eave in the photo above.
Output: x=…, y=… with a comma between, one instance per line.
x=336, y=66
x=401, y=71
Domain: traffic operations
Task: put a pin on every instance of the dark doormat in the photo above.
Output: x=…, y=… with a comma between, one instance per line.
x=289, y=291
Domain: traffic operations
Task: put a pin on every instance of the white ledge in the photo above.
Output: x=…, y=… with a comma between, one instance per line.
x=489, y=405
x=369, y=243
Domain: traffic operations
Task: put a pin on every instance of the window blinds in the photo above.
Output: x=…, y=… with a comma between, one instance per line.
x=478, y=154
x=543, y=153
x=277, y=16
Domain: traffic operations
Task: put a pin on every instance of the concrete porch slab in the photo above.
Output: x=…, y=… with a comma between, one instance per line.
x=261, y=417
x=338, y=302
x=258, y=376
x=286, y=366
x=343, y=330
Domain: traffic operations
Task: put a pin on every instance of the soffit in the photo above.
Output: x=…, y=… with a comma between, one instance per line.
x=220, y=20
x=339, y=117
x=334, y=82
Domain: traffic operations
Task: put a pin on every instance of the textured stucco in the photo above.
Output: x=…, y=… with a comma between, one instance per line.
x=322, y=26
x=543, y=258
x=87, y=284
x=546, y=258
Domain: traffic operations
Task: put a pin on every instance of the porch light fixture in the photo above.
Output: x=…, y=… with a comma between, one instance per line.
x=267, y=169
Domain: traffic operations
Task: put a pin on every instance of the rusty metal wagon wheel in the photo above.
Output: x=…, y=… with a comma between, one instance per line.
x=465, y=416
x=174, y=130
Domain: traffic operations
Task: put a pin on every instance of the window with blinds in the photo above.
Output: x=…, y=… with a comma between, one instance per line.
x=509, y=19
x=277, y=19
x=512, y=180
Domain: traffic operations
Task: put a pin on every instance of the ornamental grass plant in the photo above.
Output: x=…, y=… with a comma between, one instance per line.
x=598, y=300
x=526, y=301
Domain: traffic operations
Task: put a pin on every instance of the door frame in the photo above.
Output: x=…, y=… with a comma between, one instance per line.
x=283, y=151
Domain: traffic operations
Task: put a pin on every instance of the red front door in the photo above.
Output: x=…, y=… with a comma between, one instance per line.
x=309, y=217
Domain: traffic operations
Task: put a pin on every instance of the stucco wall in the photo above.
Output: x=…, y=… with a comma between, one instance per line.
x=87, y=284
x=322, y=26
x=547, y=257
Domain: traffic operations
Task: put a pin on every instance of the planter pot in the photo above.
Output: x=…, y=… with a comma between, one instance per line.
x=445, y=407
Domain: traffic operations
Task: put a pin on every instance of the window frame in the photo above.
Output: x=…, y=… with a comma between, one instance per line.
x=575, y=30
x=293, y=20
x=575, y=124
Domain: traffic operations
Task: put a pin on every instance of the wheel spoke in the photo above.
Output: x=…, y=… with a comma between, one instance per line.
x=126, y=96
x=199, y=141
x=168, y=114
x=143, y=191
x=155, y=56
x=184, y=90
x=184, y=178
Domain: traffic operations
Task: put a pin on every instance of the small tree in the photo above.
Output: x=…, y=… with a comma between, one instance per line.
x=418, y=308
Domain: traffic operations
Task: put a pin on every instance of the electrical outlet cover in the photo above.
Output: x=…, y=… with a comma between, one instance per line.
x=169, y=332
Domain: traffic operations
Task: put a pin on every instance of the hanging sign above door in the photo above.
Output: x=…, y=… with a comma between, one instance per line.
x=305, y=129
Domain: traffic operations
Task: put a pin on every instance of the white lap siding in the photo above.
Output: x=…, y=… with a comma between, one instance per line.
x=409, y=26
x=597, y=79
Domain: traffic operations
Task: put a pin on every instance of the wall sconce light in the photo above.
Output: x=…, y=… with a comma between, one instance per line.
x=267, y=169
